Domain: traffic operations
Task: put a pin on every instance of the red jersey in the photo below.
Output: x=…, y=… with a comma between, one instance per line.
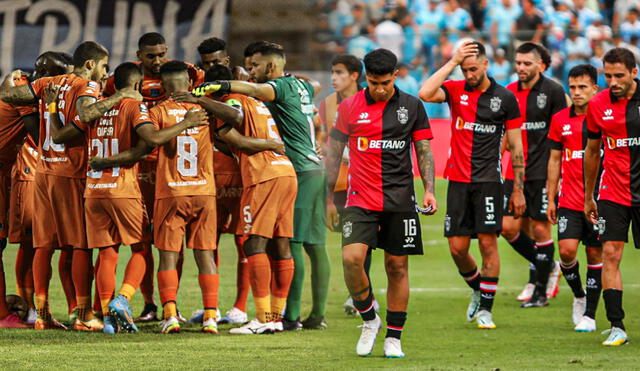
x=24, y=169
x=111, y=134
x=568, y=133
x=615, y=120
x=69, y=159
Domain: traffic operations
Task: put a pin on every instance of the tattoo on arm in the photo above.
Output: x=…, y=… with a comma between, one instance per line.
x=89, y=109
x=426, y=164
x=19, y=95
x=334, y=157
x=517, y=162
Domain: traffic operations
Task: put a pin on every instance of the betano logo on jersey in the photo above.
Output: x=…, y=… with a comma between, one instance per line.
x=365, y=144
x=572, y=154
x=535, y=125
x=614, y=143
x=475, y=127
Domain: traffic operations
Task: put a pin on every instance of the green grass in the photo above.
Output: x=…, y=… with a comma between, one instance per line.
x=436, y=334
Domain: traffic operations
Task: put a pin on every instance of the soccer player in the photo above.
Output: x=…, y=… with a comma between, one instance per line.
x=214, y=51
x=481, y=113
x=612, y=120
x=290, y=100
x=60, y=176
x=379, y=124
x=539, y=98
x=568, y=138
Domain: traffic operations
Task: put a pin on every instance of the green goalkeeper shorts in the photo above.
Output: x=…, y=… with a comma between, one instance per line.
x=309, y=217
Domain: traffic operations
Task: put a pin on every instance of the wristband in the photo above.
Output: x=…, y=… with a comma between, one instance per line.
x=52, y=107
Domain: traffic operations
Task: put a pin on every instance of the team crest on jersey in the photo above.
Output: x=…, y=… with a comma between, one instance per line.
x=447, y=223
x=495, y=104
x=347, y=229
x=562, y=224
x=601, y=226
x=403, y=115
x=154, y=93
x=541, y=100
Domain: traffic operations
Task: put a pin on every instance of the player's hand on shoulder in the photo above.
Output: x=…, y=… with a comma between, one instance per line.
x=51, y=93
x=184, y=97
x=196, y=117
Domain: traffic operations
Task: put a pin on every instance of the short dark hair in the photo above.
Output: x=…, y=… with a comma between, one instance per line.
x=268, y=48
x=211, y=45
x=584, y=70
x=482, y=51
x=249, y=50
x=620, y=55
x=88, y=51
x=218, y=72
x=535, y=48
x=380, y=62
x=150, y=39
x=173, y=67
x=351, y=62
x=65, y=57
x=124, y=73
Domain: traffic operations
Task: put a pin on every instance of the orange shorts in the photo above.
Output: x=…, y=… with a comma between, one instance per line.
x=59, y=217
x=21, y=211
x=193, y=216
x=115, y=221
x=147, y=183
x=267, y=208
x=5, y=194
x=228, y=193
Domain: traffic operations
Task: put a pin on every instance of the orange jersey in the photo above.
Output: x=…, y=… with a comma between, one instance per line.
x=113, y=133
x=258, y=123
x=185, y=164
x=152, y=90
x=12, y=131
x=69, y=159
x=223, y=164
x=24, y=169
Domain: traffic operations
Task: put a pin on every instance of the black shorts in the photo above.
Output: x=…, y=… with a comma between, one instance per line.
x=614, y=221
x=397, y=233
x=573, y=225
x=535, y=196
x=473, y=208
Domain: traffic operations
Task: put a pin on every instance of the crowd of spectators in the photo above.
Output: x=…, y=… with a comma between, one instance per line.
x=424, y=33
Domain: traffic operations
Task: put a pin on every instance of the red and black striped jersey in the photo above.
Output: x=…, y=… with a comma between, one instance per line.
x=537, y=106
x=379, y=136
x=478, y=122
x=617, y=122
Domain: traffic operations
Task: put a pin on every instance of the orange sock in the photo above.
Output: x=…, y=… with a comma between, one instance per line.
x=134, y=273
x=283, y=272
x=168, y=287
x=146, y=286
x=24, y=272
x=243, y=280
x=41, y=278
x=64, y=272
x=106, y=276
x=97, y=306
x=4, y=309
x=260, y=281
x=82, y=275
x=209, y=284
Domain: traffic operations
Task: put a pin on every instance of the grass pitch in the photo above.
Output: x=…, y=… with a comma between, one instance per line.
x=436, y=335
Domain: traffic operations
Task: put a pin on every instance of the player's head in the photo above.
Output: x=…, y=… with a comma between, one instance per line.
x=93, y=58
x=530, y=61
x=381, y=70
x=267, y=61
x=218, y=72
x=345, y=72
x=474, y=68
x=248, y=53
x=583, y=84
x=127, y=75
x=619, y=70
x=52, y=64
x=152, y=51
x=175, y=77
x=213, y=51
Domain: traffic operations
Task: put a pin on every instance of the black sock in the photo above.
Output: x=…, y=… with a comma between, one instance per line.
x=365, y=307
x=367, y=268
x=524, y=246
x=532, y=273
x=488, y=287
x=472, y=279
x=571, y=273
x=544, y=264
x=613, y=305
x=395, y=323
x=594, y=287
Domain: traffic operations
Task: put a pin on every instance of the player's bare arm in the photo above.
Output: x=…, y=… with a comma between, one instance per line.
x=553, y=178
x=60, y=133
x=32, y=124
x=591, y=165
x=334, y=157
x=431, y=90
x=516, y=202
x=156, y=138
x=19, y=95
x=89, y=109
x=247, y=144
x=128, y=157
x=426, y=165
x=222, y=111
x=263, y=92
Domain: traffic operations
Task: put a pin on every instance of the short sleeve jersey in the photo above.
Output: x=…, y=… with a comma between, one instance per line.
x=111, y=134
x=258, y=123
x=224, y=164
x=478, y=122
x=185, y=164
x=379, y=136
x=69, y=159
x=568, y=133
x=293, y=111
x=615, y=120
x=12, y=131
x=24, y=170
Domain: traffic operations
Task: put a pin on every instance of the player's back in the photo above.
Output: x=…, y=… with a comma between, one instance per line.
x=109, y=135
x=258, y=123
x=185, y=164
x=24, y=169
